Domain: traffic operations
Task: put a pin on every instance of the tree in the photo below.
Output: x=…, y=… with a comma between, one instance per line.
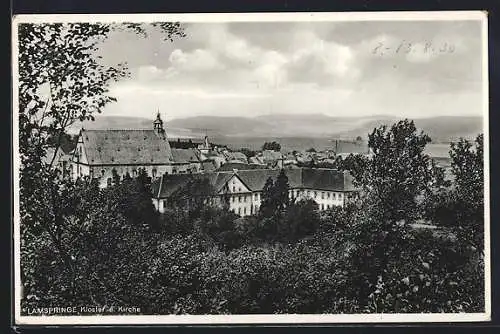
x=468, y=171
x=115, y=176
x=281, y=192
x=394, y=180
x=247, y=152
x=461, y=206
x=272, y=146
x=301, y=219
x=275, y=198
x=356, y=164
x=399, y=171
x=62, y=81
x=266, y=208
x=312, y=150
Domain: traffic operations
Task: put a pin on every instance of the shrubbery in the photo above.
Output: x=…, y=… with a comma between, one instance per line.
x=82, y=245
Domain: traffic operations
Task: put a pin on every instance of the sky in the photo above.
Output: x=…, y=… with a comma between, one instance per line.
x=400, y=68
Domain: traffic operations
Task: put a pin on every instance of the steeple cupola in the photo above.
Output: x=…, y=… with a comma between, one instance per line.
x=158, y=126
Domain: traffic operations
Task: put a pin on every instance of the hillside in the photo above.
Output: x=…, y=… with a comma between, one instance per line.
x=441, y=129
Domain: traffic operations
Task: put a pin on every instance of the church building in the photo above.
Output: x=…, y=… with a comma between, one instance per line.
x=99, y=152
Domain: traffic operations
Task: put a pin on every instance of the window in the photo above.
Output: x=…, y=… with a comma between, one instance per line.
x=328, y=194
x=239, y=199
x=153, y=172
x=315, y=194
x=322, y=195
x=234, y=189
x=244, y=199
x=239, y=211
x=103, y=172
x=322, y=207
x=334, y=195
x=340, y=196
x=244, y=210
x=108, y=181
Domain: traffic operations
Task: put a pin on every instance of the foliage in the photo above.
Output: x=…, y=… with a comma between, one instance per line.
x=248, y=152
x=62, y=81
x=275, y=198
x=272, y=146
x=461, y=207
x=399, y=171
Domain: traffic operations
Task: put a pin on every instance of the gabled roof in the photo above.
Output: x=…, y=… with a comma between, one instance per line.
x=184, y=155
x=236, y=156
x=269, y=155
x=208, y=166
x=255, y=179
x=230, y=166
x=121, y=147
x=165, y=186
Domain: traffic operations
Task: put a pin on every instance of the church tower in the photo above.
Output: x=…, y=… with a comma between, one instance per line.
x=158, y=126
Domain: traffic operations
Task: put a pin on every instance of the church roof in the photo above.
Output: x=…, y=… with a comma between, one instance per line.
x=184, y=155
x=255, y=179
x=122, y=147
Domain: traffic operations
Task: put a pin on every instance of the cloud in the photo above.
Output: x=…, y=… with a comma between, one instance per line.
x=301, y=67
x=198, y=60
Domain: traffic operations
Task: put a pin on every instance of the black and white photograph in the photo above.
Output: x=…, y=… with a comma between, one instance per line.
x=290, y=168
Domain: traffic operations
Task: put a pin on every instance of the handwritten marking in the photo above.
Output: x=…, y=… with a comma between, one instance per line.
x=406, y=47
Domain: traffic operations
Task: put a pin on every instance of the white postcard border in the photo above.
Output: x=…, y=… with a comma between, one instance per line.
x=249, y=319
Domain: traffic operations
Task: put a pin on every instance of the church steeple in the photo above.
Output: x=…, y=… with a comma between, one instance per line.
x=158, y=126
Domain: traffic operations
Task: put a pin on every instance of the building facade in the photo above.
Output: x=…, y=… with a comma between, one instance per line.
x=100, y=152
x=242, y=189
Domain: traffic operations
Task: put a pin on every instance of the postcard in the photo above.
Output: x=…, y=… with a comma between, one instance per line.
x=251, y=168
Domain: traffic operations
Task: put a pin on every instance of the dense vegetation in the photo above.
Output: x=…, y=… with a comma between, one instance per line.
x=83, y=245
x=272, y=146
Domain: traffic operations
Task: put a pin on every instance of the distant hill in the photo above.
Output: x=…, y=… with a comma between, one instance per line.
x=440, y=129
x=120, y=122
x=300, y=127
